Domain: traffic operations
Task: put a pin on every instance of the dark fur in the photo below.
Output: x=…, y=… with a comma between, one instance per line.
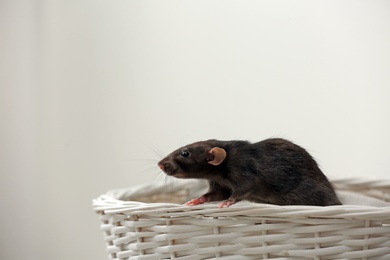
x=274, y=171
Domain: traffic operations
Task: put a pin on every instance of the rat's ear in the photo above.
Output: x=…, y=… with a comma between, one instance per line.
x=217, y=155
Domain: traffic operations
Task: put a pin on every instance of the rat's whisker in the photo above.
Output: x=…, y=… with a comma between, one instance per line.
x=148, y=160
x=148, y=170
x=155, y=150
x=159, y=183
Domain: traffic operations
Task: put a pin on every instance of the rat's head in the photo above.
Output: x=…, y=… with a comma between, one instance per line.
x=197, y=160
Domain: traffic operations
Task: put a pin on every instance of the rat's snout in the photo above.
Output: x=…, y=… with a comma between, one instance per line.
x=165, y=166
x=161, y=166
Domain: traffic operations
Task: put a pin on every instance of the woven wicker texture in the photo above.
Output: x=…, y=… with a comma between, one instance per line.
x=138, y=223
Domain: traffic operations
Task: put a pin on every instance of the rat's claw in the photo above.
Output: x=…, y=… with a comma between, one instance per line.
x=196, y=201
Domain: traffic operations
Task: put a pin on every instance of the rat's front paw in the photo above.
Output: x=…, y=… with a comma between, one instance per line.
x=196, y=201
x=227, y=203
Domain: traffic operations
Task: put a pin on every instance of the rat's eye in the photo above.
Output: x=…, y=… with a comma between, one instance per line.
x=184, y=154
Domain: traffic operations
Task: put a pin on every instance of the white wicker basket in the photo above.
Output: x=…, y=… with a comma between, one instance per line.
x=145, y=223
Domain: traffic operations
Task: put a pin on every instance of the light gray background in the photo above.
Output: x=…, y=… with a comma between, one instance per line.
x=91, y=89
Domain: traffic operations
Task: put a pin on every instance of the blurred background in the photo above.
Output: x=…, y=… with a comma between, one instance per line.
x=94, y=93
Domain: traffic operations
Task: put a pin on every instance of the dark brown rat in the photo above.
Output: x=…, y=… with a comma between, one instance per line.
x=274, y=171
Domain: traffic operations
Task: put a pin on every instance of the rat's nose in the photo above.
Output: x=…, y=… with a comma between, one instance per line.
x=161, y=166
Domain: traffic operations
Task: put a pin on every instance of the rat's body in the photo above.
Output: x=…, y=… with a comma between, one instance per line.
x=273, y=171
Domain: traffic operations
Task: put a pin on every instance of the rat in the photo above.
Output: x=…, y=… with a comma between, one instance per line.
x=273, y=171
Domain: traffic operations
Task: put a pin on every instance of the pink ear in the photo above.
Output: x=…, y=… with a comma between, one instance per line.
x=219, y=155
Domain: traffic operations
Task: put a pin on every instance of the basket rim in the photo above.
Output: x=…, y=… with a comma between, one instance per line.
x=110, y=203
